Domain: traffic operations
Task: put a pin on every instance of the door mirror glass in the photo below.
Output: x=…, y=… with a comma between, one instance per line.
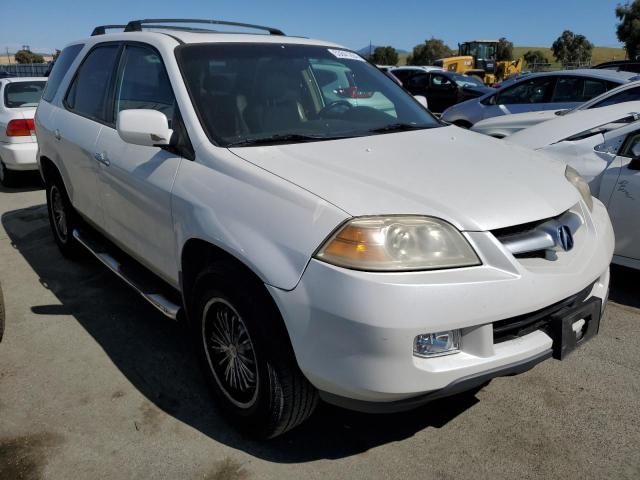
x=148, y=128
x=635, y=151
x=422, y=100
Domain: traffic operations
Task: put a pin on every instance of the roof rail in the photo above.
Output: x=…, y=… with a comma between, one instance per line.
x=101, y=29
x=136, y=25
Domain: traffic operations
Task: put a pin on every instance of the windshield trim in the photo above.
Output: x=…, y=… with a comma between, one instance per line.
x=180, y=48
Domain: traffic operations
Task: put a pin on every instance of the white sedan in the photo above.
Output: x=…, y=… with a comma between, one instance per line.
x=505, y=125
x=603, y=146
x=19, y=99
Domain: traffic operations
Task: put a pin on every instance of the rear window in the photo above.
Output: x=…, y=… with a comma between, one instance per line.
x=60, y=69
x=23, y=94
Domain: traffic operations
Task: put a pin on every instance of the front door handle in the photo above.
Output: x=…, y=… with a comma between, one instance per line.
x=102, y=158
x=57, y=134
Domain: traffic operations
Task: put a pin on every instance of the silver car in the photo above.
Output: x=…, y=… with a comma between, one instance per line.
x=537, y=92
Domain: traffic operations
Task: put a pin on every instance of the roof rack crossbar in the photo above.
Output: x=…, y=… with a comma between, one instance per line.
x=101, y=29
x=136, y=25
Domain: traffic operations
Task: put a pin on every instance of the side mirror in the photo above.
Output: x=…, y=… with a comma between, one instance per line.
x=635, y=161
x=422, y=100
x=148, y=128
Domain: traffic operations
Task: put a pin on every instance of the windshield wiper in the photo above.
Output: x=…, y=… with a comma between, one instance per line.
x=399, y=127
x=279, y=138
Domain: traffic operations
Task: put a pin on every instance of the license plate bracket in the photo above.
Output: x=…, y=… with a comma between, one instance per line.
x=564, y=337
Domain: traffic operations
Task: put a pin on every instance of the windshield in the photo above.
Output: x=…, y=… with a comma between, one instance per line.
x=484, y=51
x=246, y=94
x=23, y=94
x=466, y=81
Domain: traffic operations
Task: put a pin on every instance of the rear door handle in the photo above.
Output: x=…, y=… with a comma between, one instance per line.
x=57, y=134
x=102, y=158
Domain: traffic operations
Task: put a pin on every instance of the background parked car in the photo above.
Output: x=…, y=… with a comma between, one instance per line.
x=538, y=91
x=19, y=99
x=443, y=89
x=404, y=73
x=621, y=65
x=506, y=125
x=603, y=145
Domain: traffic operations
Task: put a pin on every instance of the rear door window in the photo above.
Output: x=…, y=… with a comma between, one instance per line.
x=61, y=67
x=23, y=94
x=534, y=90
x=90, y=94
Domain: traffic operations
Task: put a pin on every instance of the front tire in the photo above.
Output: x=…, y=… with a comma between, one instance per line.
x=62, y=218
x=247, y=356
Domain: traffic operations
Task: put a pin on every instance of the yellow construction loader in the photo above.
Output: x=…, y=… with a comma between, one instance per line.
x=478, y=58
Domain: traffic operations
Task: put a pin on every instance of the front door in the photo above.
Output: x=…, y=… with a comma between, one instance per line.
x=137, y=180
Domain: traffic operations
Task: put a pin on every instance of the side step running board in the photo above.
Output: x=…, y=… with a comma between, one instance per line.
x=143, y=282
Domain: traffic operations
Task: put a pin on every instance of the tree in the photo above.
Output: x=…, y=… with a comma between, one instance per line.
x=26, y=56
x=384, y=56
x=629, y=27
x=533, y=57
x=428, y=52
x=570, y=48
x=504, y=51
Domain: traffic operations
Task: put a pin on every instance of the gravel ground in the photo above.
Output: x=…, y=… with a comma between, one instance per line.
x=94, y=383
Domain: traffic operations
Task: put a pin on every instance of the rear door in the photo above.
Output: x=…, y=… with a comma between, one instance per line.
x=137, y=180
x=571, y=91
x=78, y=124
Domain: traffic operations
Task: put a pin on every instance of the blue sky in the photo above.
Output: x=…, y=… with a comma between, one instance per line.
x=49, y=24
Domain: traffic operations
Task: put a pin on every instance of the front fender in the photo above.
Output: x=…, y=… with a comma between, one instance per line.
x=269, y=224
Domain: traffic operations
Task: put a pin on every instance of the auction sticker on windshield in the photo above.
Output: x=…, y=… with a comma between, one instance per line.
x=345, y=54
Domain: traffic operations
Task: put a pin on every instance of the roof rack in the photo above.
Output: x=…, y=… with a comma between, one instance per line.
x=136, y=25
x=102, y=29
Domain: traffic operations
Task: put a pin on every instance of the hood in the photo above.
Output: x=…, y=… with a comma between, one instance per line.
x=513, y=122
x=475, y=182
x=578, y=121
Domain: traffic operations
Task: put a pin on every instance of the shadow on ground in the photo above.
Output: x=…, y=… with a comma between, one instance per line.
x=24, y=182
x=154, y=354
x=625, y=286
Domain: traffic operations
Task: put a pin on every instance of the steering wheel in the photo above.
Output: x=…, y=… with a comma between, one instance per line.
x=331, y=106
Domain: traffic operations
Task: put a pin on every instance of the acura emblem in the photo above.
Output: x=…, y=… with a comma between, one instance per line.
x=564, y=238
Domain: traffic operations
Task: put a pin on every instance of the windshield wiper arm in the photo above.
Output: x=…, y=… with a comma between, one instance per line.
x=279, y=138
x=399, y=127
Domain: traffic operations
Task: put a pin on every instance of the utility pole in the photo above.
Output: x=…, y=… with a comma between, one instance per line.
x=8, y=56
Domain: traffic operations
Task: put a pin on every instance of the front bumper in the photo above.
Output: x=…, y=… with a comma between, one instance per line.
x=352, y=332
x=19, y=156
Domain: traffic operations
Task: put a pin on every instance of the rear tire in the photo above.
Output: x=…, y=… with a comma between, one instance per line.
x=246, y=354
x=7, y=177
x=63, y=218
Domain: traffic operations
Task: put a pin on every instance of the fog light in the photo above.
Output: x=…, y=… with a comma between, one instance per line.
x=436, y=344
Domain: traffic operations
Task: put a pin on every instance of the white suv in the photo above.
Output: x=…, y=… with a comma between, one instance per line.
x=372, y=257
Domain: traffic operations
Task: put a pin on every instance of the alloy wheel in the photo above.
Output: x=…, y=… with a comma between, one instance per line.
x=230, y=352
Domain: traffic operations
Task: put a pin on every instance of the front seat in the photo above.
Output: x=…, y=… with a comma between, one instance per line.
x=221, y=108
x=276, y=106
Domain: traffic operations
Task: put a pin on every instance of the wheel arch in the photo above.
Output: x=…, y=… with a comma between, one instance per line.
x=197, y=254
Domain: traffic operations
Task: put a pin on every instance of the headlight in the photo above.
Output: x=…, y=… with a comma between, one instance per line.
x=397, y=244
x=581, y=184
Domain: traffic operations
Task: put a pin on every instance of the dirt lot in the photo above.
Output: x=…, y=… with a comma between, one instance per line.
x=96, y=384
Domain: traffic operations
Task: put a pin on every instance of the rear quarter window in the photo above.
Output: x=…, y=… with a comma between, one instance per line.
x=61, y=67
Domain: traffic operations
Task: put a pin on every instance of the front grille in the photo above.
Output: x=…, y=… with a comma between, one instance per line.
x=510, y=328
x=534, y=239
